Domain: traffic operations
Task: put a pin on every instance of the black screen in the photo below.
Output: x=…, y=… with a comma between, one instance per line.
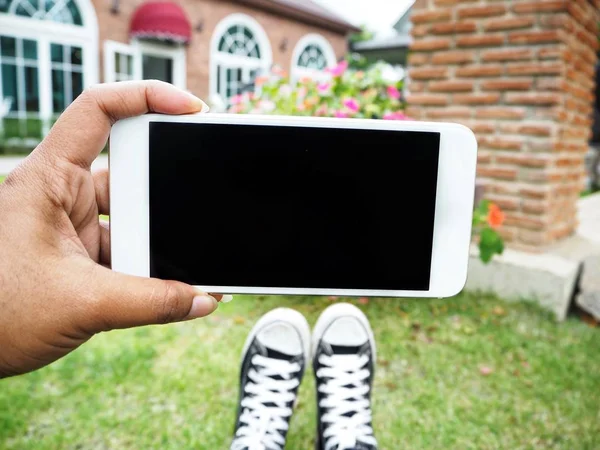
x=266, y=206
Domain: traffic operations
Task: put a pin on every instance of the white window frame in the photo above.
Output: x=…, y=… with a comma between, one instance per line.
x=112, y=48
x=297, y=72
x=46, y=32
x=229, y=61
x=137, y=49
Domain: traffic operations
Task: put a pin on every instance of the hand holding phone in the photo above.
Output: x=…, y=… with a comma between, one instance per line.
x=57, y=290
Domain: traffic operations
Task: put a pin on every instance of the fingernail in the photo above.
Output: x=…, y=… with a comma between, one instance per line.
x=202, y=305
x=226, y=298
x=198, y=103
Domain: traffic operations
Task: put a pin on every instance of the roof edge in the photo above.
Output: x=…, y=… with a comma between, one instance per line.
x=339, y=26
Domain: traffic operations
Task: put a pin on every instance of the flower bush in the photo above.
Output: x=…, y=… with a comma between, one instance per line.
x=372, y=93
x=487, y=218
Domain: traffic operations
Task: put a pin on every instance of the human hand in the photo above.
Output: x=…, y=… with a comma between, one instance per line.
x=56, y=290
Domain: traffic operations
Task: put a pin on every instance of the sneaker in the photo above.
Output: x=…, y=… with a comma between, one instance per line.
x=343, y=360
x=273, y=362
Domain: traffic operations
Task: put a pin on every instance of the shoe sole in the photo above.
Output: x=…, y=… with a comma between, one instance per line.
x=337, y=311
x=285, y=315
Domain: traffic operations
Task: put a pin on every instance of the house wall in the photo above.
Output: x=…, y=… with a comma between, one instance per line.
x=521, y=74
x=210, y=12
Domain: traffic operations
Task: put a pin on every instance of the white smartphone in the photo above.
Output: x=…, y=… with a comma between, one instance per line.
x=293, y=205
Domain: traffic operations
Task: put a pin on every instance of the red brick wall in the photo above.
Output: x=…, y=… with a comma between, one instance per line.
x=116, y=26
x=520, y=73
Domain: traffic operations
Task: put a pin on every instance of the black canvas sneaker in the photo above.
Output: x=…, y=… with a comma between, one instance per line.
x=273, y=361
x=343, y=349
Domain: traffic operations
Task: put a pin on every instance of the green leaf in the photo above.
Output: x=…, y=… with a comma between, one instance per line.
x=490, y=244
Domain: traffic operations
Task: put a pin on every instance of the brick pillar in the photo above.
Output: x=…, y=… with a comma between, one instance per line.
x=520, y=74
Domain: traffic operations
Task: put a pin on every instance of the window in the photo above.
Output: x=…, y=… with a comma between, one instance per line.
x=67, y=75
x=119, y=62
x=157, y=68
x=48, y=54
x=311, y=56
x=145, y=60
x=239, y=40
x=123, y=66
x=62, y=11
x=20, y=85
x=240, y=50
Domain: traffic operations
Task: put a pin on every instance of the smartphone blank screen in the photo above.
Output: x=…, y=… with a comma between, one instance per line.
x=298, y=207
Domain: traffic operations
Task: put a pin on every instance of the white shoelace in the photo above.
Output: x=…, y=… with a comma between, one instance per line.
x=343, y=431
x=262, y=424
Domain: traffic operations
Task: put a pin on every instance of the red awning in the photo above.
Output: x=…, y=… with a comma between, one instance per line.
x=161, y=20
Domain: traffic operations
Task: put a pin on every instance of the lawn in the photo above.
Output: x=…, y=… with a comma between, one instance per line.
x=471, y=372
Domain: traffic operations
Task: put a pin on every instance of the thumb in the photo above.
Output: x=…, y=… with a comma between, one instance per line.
x=126, y=301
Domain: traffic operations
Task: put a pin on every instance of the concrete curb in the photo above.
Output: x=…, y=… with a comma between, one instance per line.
x=544, y=278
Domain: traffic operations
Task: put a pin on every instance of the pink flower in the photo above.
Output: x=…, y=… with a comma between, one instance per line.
x=338, y=70
x=302, y=92
x=322, y=110
x=393, y=92
x=236, y=109
x=395, y=116
x=352, y=104
x=323, y=87
x=340, y=114
x=237, y=99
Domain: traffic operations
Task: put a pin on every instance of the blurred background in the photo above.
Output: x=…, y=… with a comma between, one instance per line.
x=512, y=362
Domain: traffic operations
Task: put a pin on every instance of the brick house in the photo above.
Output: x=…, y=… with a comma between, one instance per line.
x=50, y=51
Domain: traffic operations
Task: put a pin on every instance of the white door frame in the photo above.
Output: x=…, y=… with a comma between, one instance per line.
x=137, y=49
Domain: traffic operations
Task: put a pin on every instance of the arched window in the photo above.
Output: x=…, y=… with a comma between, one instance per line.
x=48, y=54
x=311, y=56
x=62, y=11
x=240, y=50
x=239, y=40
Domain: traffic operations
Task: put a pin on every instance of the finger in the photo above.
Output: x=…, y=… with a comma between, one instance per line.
x=102, y=192
x=104, y=243
x=83, y=128
x=226, y=298
x=126, y=301
x=105, y=256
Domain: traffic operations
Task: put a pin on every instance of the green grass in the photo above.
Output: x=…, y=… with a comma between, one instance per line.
x=175, y=386
x=588, y=192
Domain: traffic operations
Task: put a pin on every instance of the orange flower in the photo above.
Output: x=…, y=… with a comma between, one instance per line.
x=311, y=101
x=261, y=80
x=495, y=216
